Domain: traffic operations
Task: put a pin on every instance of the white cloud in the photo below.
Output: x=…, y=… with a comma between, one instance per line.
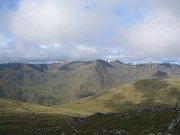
x=82, y=50
x=49, y=20
x=116, y=29
x=16, y=51
x=157, y=36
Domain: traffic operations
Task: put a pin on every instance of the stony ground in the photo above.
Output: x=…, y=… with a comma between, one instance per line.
x=145, y=121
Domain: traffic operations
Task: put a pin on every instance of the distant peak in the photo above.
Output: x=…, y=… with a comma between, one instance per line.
x=117, y=61
x=103, y=63
x=99, y=60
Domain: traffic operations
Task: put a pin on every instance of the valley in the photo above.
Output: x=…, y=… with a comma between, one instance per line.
x=144, y=107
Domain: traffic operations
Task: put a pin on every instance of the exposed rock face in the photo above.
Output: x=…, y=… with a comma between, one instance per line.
x=174, y=123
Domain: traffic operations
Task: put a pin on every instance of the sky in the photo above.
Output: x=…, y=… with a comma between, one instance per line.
x=125, y=30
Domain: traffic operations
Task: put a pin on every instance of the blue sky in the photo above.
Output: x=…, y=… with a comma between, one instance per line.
x=10, y=4
x=127, y=30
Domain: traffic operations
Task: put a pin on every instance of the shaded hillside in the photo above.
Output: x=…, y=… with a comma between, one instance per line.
x=51, y=84
x=140, y=122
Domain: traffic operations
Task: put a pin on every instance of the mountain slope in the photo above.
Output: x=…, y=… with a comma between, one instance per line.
x=51, y=84
x=139, y=95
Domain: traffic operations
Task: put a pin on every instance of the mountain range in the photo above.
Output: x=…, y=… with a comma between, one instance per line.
x=51, y=84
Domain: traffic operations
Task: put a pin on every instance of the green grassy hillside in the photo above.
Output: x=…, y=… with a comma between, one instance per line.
x=15, y=107
x=144, y=93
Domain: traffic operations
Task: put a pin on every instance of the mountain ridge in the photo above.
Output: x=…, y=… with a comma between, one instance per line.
x=51, y=84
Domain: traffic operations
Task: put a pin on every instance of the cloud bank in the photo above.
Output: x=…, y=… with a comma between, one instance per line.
x=124, y=30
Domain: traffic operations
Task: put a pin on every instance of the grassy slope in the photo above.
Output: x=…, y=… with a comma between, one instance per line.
x=10, y=106
x=18, y=118
x=130, y=96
